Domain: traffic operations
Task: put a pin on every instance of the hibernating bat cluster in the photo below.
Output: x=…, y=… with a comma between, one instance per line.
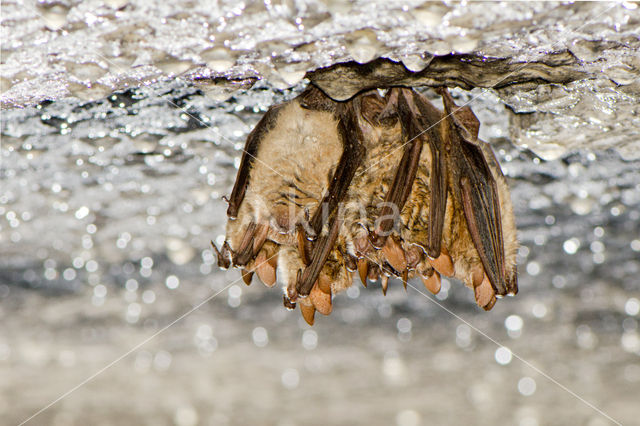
x=384, y=183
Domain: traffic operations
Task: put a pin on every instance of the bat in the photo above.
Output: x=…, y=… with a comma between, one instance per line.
x=383, y=184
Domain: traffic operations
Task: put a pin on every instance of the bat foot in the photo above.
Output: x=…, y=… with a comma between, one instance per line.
x=432, y=283
x=288, y=303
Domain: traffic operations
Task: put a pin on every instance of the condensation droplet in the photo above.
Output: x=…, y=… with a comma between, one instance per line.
x=309, y=339
x=219, y=59
x=260, y=337
x=527, y=386
x=632, y=306
x=503, y=355
x=571, y=246
x=290, y=378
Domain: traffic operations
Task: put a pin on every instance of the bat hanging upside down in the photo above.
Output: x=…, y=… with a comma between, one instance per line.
x=382, y=184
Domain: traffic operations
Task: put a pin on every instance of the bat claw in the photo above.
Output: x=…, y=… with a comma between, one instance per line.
x=308, y=313
x=484, y=293
x=395, y=255
x=266, y=269
x=432, y=283
x=443, y=263
x=324, y=283
x=491, y=303
x=246, y=276
x=320, y=300
x=363, y=270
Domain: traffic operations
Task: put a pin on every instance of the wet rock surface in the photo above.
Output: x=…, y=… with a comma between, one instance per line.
x=110, y=195
x=342, y=81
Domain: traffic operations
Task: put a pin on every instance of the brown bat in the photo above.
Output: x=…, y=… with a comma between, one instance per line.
x=387, y=185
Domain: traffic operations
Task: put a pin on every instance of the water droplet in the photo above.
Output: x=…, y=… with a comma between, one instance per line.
x=162, y=360
x=503, y=355
x=463, y=44
x=363, y=45
x=172, y=282
x=632, y=306
x=185, y=416
x=116, y=4
x=179, y=251
x=260, y=337
x=408, y=418
x=90, y=91
x=527, y=386
x=533, y=268
x=82, y=212
x=571, y=246
x=417, y=63
x=85, y=71
x=54, y=15
x=463, y=335
x=219, y=59
x=539, y=310
x=513, y=324
x=404, y=325
x=630, y=341
x=290, y=378
x=309, y=339
x=148, y=297
x=291, y=75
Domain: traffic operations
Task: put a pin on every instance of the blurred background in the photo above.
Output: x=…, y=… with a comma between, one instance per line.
x=122, y=127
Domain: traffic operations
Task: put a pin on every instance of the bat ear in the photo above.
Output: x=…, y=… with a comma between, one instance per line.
x=462, y=117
